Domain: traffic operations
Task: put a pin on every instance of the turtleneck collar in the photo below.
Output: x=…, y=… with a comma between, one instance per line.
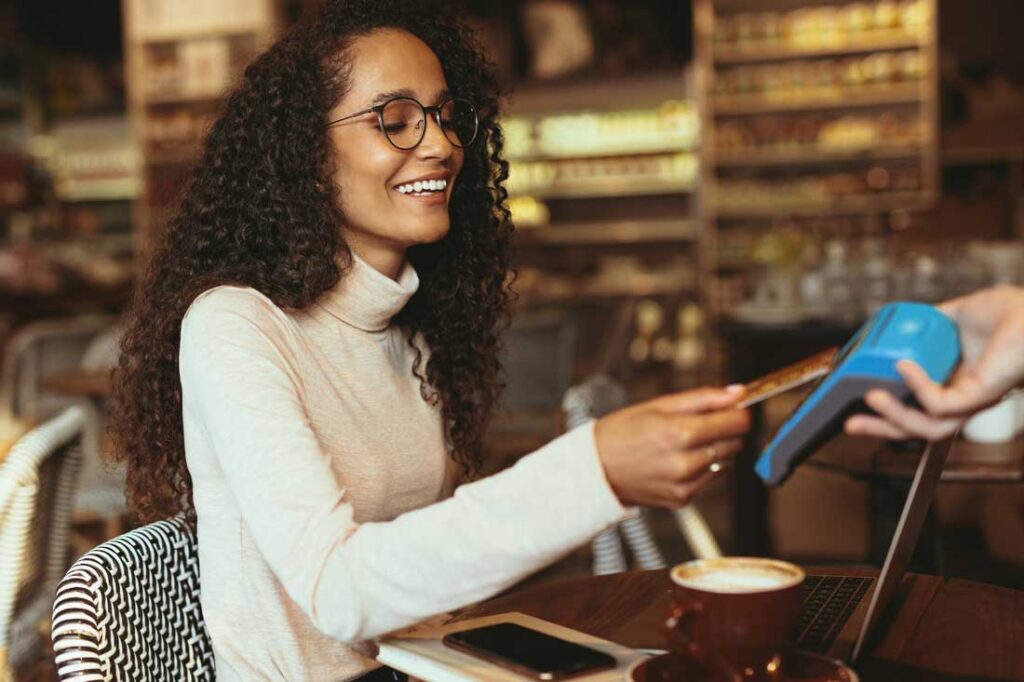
x=366, y=298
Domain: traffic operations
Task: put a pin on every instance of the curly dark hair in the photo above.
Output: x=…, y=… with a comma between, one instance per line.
x=260, y=210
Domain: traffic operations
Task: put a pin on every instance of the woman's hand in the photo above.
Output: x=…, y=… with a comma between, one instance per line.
x=659, y=453
x=991, y=325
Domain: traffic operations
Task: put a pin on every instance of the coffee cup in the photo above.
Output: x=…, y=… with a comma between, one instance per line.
x=735, y=618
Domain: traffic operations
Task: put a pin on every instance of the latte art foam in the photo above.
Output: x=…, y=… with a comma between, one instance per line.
x=736, y=578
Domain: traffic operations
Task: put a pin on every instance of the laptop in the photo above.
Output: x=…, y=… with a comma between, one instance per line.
x=843, y=611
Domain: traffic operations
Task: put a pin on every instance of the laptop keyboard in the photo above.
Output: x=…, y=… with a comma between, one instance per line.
x=829, y=601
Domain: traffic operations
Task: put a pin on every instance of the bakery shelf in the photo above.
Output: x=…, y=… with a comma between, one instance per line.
x=607, y=152
x=600, y=293
x=99, y=189
x=744, y=105
x=621, y=232
x=177, y=97
x=610, y=187
x=173, y=34
x=868, y=42
x=840, y=205
x=814, y=154
x=176, y=156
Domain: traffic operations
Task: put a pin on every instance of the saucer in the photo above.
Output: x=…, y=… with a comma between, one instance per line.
x=799, y=666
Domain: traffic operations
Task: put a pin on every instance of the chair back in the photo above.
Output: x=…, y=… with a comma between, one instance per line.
x=104, y=350
x=40, y=348
x=538, y=357
x=44, y=347
x=37, y=489
x=129, y=610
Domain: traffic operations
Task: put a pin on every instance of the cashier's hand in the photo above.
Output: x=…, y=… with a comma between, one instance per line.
x=991, y=324
x=659, y=453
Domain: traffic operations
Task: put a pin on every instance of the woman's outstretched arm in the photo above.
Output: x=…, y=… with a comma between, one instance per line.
x=243, y=394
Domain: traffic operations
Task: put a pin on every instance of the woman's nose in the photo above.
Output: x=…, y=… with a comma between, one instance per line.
x=435, y=143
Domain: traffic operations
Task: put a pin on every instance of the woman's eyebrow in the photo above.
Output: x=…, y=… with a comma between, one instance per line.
x=391, y=94
x=440, y=96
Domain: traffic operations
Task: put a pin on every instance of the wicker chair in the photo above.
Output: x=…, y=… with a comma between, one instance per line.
x=46, y=347
x=40, y=348
x=129, y=610
x=37, y=488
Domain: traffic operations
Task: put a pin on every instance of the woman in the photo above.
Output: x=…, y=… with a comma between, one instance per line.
x=312, y=359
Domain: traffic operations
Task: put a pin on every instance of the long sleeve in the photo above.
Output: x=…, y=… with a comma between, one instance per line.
x=243, y=389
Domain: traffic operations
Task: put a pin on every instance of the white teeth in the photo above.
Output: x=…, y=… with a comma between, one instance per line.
x=423, y=186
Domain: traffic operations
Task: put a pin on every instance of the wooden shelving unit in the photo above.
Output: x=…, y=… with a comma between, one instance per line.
x=608, y=170
x=811, y=109
x=840, y=205
x=819, y=99
x=813, y=154
x=869, y=41
x=668, y=231
x=195, y=30
x=180, y=58
x=637, y=186
x=608, y=294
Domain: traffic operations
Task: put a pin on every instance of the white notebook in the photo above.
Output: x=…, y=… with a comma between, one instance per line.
x=418, y=651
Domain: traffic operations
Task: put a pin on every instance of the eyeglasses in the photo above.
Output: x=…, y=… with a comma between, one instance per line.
x=403, y=120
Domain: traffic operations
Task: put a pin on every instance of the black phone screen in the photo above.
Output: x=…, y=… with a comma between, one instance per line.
x=529, y=651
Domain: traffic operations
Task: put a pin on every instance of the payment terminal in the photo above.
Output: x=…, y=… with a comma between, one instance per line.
x=898, y=331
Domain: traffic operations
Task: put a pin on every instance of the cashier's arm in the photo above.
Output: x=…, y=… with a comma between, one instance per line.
x=991, y=325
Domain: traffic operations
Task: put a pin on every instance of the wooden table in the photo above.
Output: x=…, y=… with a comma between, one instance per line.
x=942, y=630
x=79, y=384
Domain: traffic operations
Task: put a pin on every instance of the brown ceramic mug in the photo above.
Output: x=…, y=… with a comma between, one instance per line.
x=735, y=617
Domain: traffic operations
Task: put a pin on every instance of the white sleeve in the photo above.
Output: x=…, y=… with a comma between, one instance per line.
x=241, y=387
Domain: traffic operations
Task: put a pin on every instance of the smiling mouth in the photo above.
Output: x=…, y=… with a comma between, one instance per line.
x=422, y=188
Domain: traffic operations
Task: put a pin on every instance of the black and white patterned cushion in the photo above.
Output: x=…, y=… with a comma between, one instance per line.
x=129, y=610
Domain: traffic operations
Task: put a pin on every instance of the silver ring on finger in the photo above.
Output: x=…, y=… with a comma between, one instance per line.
x=715, y=459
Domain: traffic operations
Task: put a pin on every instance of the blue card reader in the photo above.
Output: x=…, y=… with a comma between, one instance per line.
x=898, y=331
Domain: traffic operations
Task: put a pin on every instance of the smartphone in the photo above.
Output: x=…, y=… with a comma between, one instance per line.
x=529, y=652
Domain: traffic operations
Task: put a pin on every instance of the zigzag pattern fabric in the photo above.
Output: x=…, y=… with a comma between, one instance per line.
x=129, y=610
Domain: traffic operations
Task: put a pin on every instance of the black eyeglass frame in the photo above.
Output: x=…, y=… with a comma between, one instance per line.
x=434, y=112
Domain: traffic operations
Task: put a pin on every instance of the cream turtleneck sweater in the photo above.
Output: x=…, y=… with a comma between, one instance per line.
x=322, y=484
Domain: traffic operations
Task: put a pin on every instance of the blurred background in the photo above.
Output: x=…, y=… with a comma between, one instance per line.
x=704, y=191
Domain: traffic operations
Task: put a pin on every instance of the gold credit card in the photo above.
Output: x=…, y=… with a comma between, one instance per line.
x=788, y=378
